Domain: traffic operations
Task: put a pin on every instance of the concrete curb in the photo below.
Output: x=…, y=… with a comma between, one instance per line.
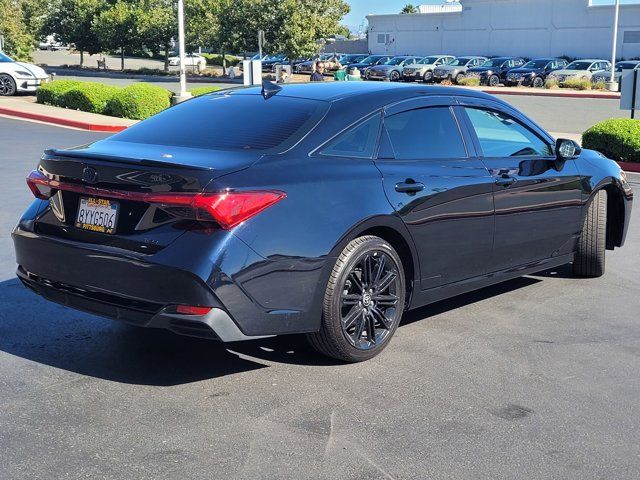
x=630, y=167
x=554, y=94
x=65, y=122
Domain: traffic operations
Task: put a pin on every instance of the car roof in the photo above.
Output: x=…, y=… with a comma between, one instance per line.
x=335, y=91
x=592, y=60
x=546, y=59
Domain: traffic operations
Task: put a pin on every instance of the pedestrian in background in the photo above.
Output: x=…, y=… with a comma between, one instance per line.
x=318, y=74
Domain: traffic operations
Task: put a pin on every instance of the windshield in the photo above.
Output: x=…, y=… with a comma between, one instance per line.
x=279, y=56
x=493, y=62
x=536, y=64
x=459, y=61
x=428, y=60
x=370, y=60
x=395, y=61
x=578, y=66
x=4, y=58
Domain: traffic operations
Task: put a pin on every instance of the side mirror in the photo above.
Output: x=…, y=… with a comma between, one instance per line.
x=567, y=149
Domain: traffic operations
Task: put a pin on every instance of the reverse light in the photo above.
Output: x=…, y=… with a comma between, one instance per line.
x=192, y=310
x=228, y=209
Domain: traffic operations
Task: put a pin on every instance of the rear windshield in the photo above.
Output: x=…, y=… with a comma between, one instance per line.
x=230, y=122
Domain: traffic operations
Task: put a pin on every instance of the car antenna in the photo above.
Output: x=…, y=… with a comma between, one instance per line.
x=269, y=89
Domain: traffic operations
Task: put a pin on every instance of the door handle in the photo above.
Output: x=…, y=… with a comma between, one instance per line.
x=505, y=181
x=409, y=186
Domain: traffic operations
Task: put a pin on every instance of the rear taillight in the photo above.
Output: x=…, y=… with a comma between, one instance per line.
x=228, y=209
x=39, y=185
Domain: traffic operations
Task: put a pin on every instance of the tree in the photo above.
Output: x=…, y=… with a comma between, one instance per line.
x=18, y=40
x=119, y=27
x=71, y=22
x=409, y=8
x=159, y=26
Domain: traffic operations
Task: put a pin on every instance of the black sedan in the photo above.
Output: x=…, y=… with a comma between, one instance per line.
x=494, y=71
x=224, y=218
x=534, y=73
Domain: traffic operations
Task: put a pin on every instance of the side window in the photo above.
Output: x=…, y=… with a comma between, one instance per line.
x=425, y=133
x=359, y=141
x=502, y=136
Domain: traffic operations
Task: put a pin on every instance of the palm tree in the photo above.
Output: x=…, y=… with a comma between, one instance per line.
x=409, y=8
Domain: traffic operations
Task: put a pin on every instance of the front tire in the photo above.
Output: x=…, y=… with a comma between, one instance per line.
x=7, y=85
x=394, y=76
x=427, y=77
x=459, y=77
x=590, y=256
x=363, y=302
x=538, y=82
x=494, y=80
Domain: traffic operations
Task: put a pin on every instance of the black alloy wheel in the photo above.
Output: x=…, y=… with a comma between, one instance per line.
x=364, y=301
x=494, y=80
x=7, y=85
x=538, y=82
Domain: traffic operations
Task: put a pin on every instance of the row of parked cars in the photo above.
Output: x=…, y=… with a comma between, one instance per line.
x=509, y=71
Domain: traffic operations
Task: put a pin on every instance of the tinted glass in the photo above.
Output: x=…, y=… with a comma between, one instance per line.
x=232, y=122
x=503, y=136
x=536, y=64
x=395, y=61
x=425, y=133
x=428, y=60
x=359, y=141
x=579, y=66
x=493, y=62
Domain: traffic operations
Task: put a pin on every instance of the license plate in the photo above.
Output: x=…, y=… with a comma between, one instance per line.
x=97, y=215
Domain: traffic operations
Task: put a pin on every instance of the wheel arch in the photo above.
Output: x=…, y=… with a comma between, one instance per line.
x=391, y=229
x=615, y=211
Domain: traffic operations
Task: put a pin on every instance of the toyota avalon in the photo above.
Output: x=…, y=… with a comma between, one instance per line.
x=224, y=218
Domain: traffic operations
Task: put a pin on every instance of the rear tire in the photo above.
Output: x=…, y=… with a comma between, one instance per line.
x=590, y=256
x=459, y=77
x=363, y=302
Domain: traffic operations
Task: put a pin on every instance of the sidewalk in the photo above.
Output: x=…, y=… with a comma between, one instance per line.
x=26, y=108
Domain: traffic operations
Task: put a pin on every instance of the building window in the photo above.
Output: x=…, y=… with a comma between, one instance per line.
x=383, y=38
x=631, y=36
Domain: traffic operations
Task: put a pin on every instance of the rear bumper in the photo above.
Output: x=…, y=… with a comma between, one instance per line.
x=251, y=296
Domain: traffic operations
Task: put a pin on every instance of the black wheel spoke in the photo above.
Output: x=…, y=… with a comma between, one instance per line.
x=351, y=299
x=360, y=321
x=371, y=329
x=379, y=270
x=385, y=281
x=385, y=300
x=355, y=281
x=352, y=317
x=381, y=317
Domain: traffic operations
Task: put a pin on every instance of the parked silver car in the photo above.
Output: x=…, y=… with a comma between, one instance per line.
x=391, y=69
x=580, y=69
x=620, y=69
x=455, y=70
x=422, y=69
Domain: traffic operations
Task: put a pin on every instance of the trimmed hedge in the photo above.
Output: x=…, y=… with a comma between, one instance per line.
x=215, y=59
x=469, y=82
x=49, y=92
x=138, y=101
x=88, y=97
x=617, y=138
x=196, y=92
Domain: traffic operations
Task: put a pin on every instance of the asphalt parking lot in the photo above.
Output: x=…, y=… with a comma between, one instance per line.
x=534, y=378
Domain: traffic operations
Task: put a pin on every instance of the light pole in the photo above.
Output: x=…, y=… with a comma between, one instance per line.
x=613, y=85
x=184, y=95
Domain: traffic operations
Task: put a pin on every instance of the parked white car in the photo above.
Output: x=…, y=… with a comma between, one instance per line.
x=190, y=60
x=18, y=77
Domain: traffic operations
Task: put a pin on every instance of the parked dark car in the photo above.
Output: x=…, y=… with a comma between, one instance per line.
x=351, y=58
x=391, y=69
x=270, y=62
x=370, y=61
x=363, y=201
x=493, y=72
x=534, y=73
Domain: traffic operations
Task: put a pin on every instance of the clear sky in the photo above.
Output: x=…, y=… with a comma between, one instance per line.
x=361, y=8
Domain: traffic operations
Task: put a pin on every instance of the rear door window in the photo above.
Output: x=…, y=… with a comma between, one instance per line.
x=425, y=133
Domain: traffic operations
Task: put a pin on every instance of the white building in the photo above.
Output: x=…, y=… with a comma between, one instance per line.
x=530, y=28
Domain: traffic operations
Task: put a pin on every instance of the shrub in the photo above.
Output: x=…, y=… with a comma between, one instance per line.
x=617, y=138
x=48, y=93
x=551, y=84
x=577, y=83
x=138, y=101
x=88, y=97
x=196, y=92
x=215, y=59
x=601, y=85
x=469, y=82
